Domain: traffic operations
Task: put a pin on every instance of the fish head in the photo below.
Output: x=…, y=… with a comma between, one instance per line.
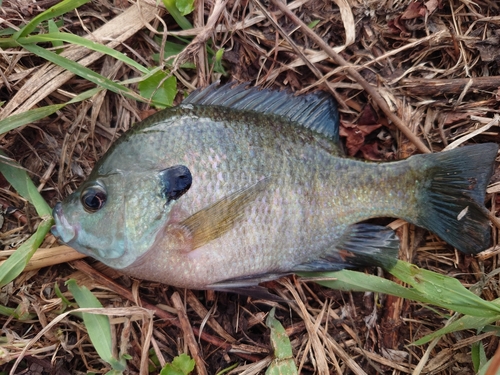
x=114, y=218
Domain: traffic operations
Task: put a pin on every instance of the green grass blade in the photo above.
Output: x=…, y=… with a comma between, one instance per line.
x=75, y=39
x=478, y=356
x=465, y=322
x=27, y=117
x=425, y=286
x=59, y=9
x=54, y=29
x=444, y=291
x=486, y=368
x=182, y=21
x=355, y=281
x=19, y=313
x=18, y=261
x=98, y=326
x=36, y=114
x=82, y=71
x=20, y=181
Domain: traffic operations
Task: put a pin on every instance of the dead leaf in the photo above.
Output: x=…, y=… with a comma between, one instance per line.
x=355, y=135
x=414, y=10
x=396, y=27
x=368, y=116
x=373, y=152
x=293, y=81
x=448, y=118
x=146, y=113
x=432, y=5
x=488, y=48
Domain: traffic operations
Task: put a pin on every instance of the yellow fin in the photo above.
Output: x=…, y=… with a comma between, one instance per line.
x=215, y=220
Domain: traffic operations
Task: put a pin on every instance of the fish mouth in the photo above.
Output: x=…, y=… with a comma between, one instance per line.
x=62, y=229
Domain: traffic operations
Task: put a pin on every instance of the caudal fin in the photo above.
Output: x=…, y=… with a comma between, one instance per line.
x=451, y=202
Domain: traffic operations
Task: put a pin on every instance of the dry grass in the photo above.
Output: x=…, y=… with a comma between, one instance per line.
x=433, y=64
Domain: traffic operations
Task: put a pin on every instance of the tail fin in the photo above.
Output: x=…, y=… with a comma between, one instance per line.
x=453, y=195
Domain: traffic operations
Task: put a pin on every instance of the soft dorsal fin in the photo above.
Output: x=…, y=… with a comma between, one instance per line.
x=317, y=111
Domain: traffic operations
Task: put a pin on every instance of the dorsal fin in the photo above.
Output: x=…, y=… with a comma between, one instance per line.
x=317, y=111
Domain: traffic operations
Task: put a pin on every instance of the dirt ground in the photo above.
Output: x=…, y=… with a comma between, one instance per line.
x=432, y=72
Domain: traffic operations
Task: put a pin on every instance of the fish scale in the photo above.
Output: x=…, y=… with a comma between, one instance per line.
x=206, y=195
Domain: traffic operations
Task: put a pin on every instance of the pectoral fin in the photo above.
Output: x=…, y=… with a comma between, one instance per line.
x=215, y=220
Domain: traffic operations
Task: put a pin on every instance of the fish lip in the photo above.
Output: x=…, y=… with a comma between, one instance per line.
x=62, y=228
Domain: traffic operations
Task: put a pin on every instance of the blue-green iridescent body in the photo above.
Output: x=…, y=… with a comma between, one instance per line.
x=305, y=198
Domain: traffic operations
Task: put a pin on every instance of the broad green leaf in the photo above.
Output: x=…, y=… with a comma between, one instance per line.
x=59, y=9
x=181, y=365
x=98, y=326
x=159, y=89
x=170, y=51
x=185, y=6
x=283, y=363
x=16, y=263
x=56, y=36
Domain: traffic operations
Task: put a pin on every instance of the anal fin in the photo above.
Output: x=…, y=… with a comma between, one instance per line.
x=363, y=245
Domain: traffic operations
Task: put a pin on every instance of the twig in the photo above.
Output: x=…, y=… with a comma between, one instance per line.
x=200, y=40
x=355, y=75
x=435, y=87
x=188, y=334
x=301, y=54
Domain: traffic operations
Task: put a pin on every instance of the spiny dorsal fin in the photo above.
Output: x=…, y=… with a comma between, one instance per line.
x=215, y=220
x=317, y=111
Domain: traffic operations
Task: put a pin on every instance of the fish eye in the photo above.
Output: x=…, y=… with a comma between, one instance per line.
x=93, y=198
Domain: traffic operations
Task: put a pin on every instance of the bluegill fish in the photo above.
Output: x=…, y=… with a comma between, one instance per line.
x=236, y=186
